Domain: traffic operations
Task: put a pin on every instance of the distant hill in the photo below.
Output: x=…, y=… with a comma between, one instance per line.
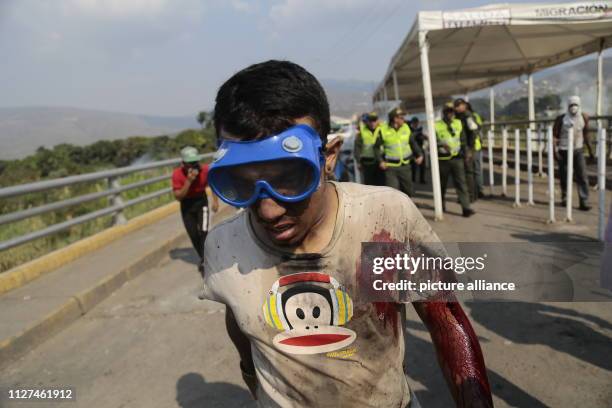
x=564, y=81
x=347, y=97
x=23, y=130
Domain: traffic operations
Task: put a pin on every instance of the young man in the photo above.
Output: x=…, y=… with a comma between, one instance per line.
x=399, y=148
x=288, y=269
x=189, y=183
x=579, y=121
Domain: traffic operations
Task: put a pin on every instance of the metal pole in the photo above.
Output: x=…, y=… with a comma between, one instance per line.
x=531, y=101
x=517, y=168
x=570, y=174
x=600, y=83
x=429, y=110
x=601, y=183
x=490, y=148
x=504, y=161
x=529, y=169
x=492, y=107
x=395, y=87
x=116, y=201
x=385, y=98
x=540, y=149
x=551, y=175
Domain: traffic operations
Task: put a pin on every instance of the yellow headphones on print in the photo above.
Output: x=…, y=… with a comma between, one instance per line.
x=342, y=305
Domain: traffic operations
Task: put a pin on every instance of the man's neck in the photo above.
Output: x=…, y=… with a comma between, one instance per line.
x=322, y=231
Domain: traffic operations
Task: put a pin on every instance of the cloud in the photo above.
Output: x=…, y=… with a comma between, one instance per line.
x=291, y=13
x=114, y=8
x=243, y=6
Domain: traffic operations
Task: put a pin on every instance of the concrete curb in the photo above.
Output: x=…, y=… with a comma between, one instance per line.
x=81, y=303
x=29, y=271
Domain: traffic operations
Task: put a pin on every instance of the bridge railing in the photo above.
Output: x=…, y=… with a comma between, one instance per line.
x=113, y=192
x=523, y=134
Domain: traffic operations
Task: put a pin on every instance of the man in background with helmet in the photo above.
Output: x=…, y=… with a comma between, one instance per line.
x=189, y=185
x=364, y=150
x=399, y=150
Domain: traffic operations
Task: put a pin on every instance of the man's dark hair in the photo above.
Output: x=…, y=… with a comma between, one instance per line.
x=266, y=98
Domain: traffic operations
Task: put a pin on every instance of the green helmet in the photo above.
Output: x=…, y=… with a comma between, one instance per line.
x=189, y=154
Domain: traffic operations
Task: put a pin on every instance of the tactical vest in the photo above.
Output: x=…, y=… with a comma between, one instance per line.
x=445, y=137
x=396, y=144
x=369, y=138
x=477, y=143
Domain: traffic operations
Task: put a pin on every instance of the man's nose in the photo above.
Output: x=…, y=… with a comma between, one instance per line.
x=269, y=210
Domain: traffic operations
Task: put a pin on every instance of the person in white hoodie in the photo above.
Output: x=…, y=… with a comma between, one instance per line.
x=579, y=121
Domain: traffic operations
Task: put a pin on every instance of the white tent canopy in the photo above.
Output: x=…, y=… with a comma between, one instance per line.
x=475, y=48
x=455, y=52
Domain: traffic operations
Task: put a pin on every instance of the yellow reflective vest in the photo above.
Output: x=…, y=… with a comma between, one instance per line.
x=477, y=143
x=449, y=140
x=369, y=139
x=396, y=144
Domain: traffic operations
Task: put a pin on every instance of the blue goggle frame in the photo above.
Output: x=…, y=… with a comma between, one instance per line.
x=300, y=142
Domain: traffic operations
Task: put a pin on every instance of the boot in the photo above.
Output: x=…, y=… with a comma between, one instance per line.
x=468, y=212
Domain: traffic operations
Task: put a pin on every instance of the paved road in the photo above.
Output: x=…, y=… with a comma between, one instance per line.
x=153, y=344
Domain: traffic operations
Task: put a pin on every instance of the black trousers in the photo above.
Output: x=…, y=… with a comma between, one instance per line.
x=454, y=167
x=470, y=176
x=194, y=212
x=420, y=168
x=580, y=175
x=372, y=174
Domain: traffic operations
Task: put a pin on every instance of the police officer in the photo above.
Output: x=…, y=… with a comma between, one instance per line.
x=478, y=180
x=470, y=129
x=420, y=138
x=399, y=149
x=364, y=150
x=450, y=139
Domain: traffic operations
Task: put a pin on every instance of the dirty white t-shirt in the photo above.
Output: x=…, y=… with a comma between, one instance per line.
x=314, y=342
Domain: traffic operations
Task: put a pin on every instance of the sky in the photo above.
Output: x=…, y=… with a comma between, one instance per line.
x=168, y=57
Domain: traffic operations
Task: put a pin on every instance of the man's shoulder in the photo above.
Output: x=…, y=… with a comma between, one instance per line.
x=230, y=226
x=224, y=242
x=373, y=194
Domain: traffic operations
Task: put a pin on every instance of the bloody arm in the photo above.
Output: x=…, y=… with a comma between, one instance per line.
x=458, y=351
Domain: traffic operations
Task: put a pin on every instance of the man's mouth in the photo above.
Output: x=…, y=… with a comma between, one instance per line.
x=281, y=232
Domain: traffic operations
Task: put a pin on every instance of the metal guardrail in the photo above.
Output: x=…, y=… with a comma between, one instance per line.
x=116, y=207
x=517, y=123
x=542, y=133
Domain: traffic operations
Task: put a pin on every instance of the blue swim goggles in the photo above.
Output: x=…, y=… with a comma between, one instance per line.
x=285, y=167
